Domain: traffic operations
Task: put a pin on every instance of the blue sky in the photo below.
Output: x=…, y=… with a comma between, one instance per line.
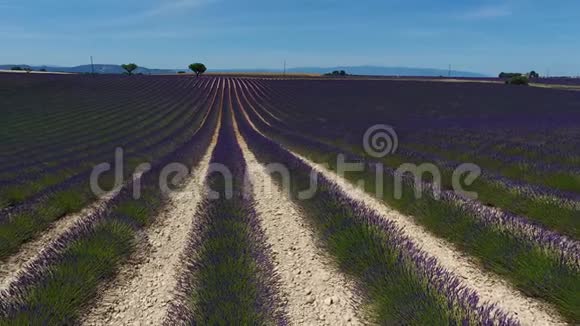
x=477, y=35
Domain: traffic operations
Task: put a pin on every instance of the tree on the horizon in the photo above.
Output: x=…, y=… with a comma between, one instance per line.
x=198, y=68
x=129, y=68
x=337, y=73
x=518, y=80
x=534, y=74
x=509, y=74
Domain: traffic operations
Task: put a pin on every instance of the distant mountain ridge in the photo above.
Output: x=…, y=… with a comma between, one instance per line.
x=99, y=68
x=390, y=71
x=353, y=70
x=367, y=71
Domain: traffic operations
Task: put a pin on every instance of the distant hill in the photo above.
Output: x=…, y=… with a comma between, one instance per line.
x=353, y=70
x=99, y=68
x=388, y=71
x=366, y=71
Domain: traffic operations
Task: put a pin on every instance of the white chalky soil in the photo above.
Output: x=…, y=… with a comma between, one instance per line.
x=315, y=293
x=31, y=251
x=488, y=286
x=144, y=288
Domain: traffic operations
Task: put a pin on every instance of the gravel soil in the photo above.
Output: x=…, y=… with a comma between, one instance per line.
x=144, y=287
x=313, y=290
x=490, y=288
x=31, y=251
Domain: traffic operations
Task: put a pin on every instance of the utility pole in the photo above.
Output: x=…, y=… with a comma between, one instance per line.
x=92, y=66
x=449, y=73
x=284, y=67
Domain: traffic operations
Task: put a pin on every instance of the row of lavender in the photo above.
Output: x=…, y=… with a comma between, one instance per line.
x=535, y=115
x=388, y=264
x=545, y=204
x=78, y=147
x=565, y=198
x=22, y=222
x=32, y=122
x=538, y=261
x=106, y=116
x=116, y=128
x=129, y=131
x=55, y=288
x=562, y=246
x=228, y=276
x=139, y=144
x=507, y=150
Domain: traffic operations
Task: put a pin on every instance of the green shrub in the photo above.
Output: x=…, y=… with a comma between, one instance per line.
x=518, y=80
x=508, y=75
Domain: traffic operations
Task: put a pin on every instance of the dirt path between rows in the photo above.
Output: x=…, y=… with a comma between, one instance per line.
x=144, y=287
x=31, y=251
x=489, y=287
x=313, y=290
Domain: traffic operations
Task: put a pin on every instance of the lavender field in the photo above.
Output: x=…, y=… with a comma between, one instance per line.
x=255, y=200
